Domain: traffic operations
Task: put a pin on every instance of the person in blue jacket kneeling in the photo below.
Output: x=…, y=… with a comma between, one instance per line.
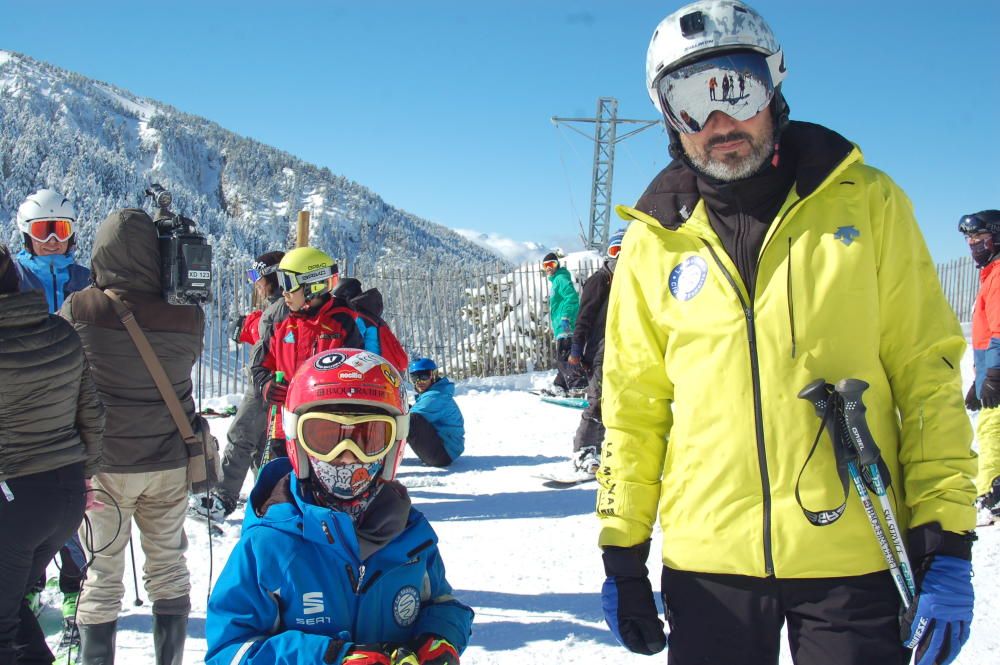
x=334, y=565
x=437, y=429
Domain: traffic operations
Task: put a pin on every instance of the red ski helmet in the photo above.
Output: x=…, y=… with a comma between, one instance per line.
x=346, y=378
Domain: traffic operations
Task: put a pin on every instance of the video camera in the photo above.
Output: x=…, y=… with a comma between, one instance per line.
x=185, y=255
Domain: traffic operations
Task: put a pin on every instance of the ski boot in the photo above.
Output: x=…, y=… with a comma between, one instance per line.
x=587, y=460
x=988, y=506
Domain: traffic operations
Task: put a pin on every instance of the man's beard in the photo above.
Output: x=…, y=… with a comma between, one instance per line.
x=729, y=167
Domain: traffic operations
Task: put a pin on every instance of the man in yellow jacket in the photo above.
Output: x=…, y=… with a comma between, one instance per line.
x=765, y=256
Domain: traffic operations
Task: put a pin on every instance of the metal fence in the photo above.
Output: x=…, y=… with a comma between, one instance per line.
x=486, y=322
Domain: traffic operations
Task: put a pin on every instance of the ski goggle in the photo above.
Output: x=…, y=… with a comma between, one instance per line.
x=739, y=84
x=44, y=229
x=326, y=435
x=546, y=265
x=260, y=271
x=614, y=251
x=971, y=225
x=421, y=376
x=291, y=281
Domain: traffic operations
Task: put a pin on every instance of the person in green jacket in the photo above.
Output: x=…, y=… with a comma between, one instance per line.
x=764, y=257
x=564, y=303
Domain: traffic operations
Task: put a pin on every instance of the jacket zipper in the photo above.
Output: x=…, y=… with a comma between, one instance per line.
x=765, y=480
x=55, y=283
x=788, y=296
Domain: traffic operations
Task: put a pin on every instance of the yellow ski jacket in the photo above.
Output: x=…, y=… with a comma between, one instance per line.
x=701, y=377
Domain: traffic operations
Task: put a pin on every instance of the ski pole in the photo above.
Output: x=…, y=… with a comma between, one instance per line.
x=279, y=377
x=135, y=577
x=869, y=455
x=827, y=402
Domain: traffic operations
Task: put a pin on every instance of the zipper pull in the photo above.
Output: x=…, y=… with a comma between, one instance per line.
x=326, y=530
x=361, y=577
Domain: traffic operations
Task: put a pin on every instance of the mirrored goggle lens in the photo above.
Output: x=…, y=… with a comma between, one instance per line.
x=325, y=436
x=43, y=229
x=546, y=265
x=253, y=275
x=260, y=270
x=421, y=376
x=288, y=281
x=614, y=250
x=738, y=84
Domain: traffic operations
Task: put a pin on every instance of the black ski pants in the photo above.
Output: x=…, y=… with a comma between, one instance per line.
x=737, y=620
x=590, y=431
x=426, y=442
x=45, y=512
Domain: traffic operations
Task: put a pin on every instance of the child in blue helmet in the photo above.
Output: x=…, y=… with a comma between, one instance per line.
x=437, y=429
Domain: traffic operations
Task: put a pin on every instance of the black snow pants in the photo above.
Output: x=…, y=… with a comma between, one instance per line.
x=45, y=512
x=737, y=620
x=426, y=442
x=590, y=432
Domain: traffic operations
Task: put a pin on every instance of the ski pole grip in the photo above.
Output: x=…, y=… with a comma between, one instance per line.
x=850, y=391
x=818, y=394
x=279, y=376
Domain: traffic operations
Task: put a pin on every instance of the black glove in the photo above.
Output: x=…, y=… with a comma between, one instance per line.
x=972, y=402
x=627, y=598
x=990, y=394
x=236, y=327
x=279, y=448
x=274, y=392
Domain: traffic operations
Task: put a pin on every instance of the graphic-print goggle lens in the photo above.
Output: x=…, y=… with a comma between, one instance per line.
x=326, y=436
x=44, y=229
x=740, y=85
x=971, y=225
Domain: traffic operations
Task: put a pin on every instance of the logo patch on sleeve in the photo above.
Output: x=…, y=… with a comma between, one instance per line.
x=687, y=278
x=405, y=606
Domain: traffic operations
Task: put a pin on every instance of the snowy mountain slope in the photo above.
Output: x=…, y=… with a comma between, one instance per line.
x=525, y=557
x=102, y=146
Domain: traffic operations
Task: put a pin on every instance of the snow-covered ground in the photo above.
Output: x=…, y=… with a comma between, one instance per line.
x=525, y=557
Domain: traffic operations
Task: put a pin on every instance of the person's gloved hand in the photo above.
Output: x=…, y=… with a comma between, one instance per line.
x=990, y=394
x=564, y=326
x=937, y=623
x=274, y=392
x=627, y=599
x=433, y=650
x=369, y=654
x=972, y=402
x=236, y=327
x=279, y=448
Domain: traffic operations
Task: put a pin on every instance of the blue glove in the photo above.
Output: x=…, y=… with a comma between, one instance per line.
x=564, y=325
x=627, y=599
x=937, y=623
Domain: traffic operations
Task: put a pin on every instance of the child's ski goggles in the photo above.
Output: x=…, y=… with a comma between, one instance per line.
x=326, y=435
x=739, y=84
x=44, y=229
x=260, y=270
x=291, y=281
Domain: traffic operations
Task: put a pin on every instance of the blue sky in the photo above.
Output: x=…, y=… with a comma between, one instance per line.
x=444, y=108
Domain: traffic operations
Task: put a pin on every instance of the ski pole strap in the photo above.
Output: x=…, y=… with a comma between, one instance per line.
x=821, y=395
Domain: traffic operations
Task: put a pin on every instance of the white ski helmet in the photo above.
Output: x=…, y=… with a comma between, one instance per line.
x=702, y=28
x=44, y=204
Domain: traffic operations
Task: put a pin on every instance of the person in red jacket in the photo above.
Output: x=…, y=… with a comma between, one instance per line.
x=982, y=232
x=317, y=321
x=247, y=434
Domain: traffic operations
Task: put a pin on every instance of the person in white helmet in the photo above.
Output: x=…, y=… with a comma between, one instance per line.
x=765, y=257
x=47, y=221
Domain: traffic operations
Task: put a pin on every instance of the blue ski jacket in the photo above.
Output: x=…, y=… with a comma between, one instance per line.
x=295, y=585
x=437, y=404
x=57, y=274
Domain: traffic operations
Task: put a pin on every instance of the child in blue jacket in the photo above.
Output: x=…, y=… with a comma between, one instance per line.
x=437, y=428
x=334, y=565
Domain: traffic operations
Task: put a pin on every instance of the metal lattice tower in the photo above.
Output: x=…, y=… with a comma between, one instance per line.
x=605, y=137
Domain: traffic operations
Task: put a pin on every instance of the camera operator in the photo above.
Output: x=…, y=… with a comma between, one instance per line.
x=145, y=458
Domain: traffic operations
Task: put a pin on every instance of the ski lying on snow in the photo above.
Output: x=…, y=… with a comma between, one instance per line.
x=571, y=402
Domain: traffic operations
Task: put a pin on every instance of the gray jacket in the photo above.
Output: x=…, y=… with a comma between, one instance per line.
x=140, y=435
x=50, y=415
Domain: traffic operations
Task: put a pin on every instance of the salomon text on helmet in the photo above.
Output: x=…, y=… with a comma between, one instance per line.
x=348, y=381
x=309, y=268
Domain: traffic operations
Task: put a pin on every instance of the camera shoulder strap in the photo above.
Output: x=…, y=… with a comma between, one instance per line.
x=155, y=368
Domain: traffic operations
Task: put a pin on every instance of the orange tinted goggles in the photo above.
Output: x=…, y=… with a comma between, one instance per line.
x=614, y=251
x=550, y=264
x=43, y=229
x=326, y=435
